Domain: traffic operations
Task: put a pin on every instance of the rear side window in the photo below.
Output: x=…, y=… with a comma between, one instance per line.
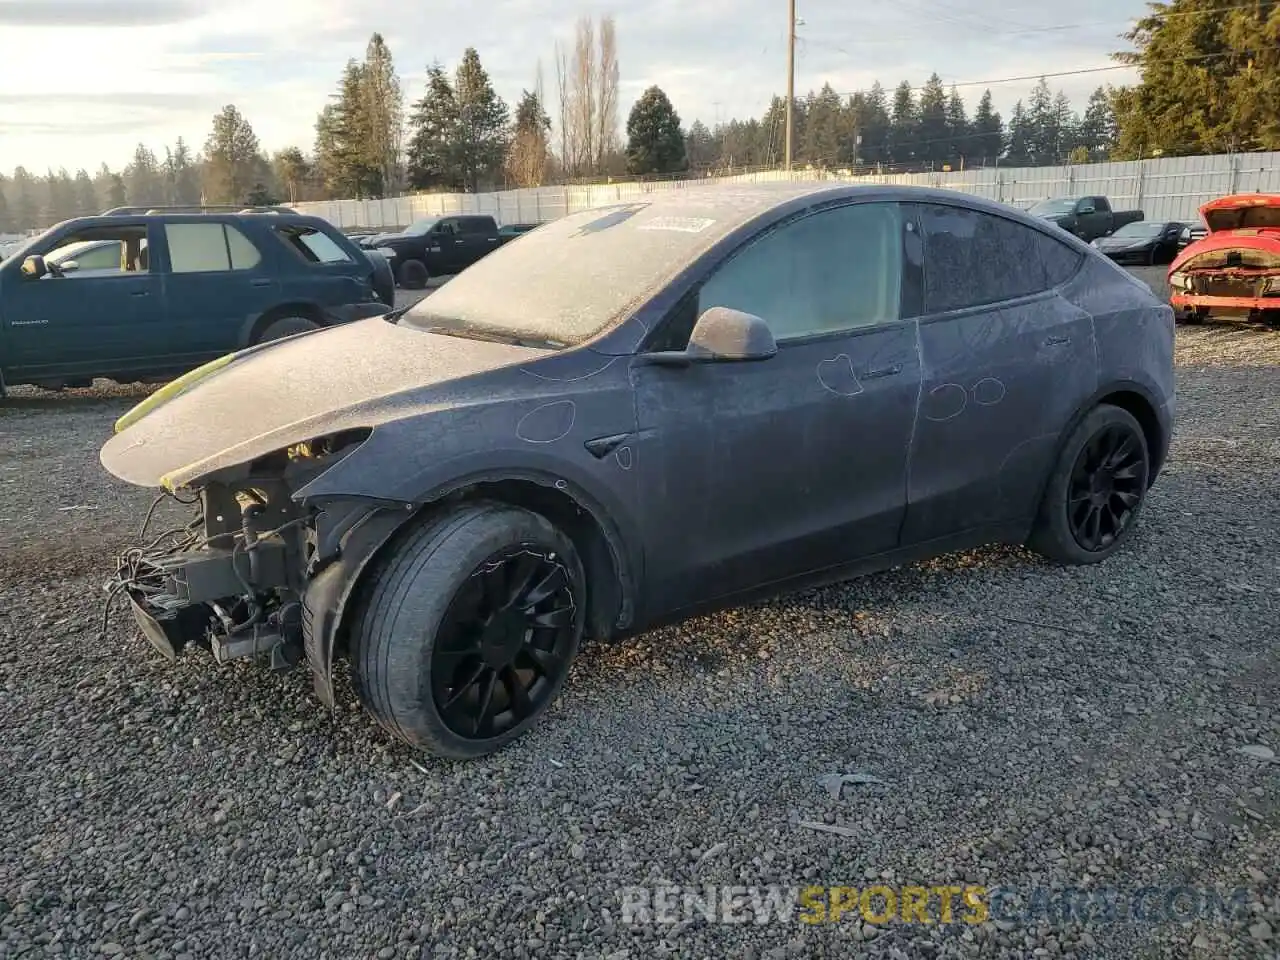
x=312, y=245
x=477, y=225
x=974, y=258
x=209, y=248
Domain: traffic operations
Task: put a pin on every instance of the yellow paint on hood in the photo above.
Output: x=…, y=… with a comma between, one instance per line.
x=171, y=390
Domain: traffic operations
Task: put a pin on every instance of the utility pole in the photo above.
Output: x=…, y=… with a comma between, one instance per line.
x=791, y=74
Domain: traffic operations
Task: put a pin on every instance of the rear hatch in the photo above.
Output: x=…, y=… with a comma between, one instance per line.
x=1240, y=256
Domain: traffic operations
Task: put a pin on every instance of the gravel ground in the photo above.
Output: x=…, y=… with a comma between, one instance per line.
x=1031, y=726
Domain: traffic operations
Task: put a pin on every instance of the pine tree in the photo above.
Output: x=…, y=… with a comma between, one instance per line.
x=826, y=134
x=905, y=126
x=6, y=220
x=482, y=123
x=988, y=131
x=26, y=213
x=1097, y=131
x=143, y=180
x=655, y=143
x=86, y=196
x=1019, y=137
x=699, y=146
x=62, y=197
x=116, y=195
x=1065, y=128
x=232, y=157
x=873, y=126
x=960, y=136
x=1040, y=124
x=434, y=124
x=181, y=176
x=933, y=133
x=292, y=171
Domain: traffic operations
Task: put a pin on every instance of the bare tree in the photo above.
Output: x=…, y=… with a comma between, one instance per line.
x=588, y=88
x=563, y=91
x=606, y=121
x=584, y=101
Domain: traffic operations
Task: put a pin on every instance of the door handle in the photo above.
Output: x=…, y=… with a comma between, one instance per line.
x=892, y=371
x=261, y=283
x=139, y=293
x=459, y=241
x=1056, y=341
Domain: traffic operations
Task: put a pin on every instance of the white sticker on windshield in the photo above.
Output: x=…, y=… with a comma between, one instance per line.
x=678, y=224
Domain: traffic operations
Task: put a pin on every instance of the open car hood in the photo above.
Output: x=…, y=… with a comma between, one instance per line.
x=252, y=403
x=1265, y=241
x=1242, y=210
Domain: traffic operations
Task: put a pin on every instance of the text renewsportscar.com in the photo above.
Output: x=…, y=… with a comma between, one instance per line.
x=881, y=904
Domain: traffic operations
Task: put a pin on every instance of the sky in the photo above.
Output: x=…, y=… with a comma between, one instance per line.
x=84, y=81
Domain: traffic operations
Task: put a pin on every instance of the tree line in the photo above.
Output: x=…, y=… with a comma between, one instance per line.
x=1210, y=82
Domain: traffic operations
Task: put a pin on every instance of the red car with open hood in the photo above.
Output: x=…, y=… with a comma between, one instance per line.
x=1234, y=271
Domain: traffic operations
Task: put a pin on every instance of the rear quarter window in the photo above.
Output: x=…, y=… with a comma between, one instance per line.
x=974, y=258
x=311, y=245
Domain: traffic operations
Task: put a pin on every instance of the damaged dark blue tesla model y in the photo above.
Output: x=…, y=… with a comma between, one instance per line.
x=639, y=413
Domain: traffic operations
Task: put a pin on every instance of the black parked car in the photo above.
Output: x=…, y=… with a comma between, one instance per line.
x=639, y=413
x=1144, y=242
x=142, y=294
x=437, y=246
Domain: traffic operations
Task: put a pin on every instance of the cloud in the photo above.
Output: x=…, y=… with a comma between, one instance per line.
x=99, y=13
x=716, y=59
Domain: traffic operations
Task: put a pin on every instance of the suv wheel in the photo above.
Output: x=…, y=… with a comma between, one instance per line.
x=465, y=633
x=414, y=275
x=286, y=327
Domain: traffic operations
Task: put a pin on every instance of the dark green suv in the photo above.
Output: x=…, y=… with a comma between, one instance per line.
x=169, y=289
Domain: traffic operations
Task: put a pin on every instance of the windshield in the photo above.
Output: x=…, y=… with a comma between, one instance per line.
x=573, y=277
x=419, y=227
x=1139, y=231
x=1065, y=205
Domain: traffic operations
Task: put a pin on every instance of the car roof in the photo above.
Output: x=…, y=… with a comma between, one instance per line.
x=730, y=206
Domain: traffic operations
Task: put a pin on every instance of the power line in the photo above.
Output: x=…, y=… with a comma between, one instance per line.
x=1082, y=71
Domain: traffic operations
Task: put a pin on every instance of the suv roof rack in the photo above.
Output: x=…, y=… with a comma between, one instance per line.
x=196, y=208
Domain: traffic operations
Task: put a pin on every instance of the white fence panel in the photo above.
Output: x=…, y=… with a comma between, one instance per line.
x=1171, y=188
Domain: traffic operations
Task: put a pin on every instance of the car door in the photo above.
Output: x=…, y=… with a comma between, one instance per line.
x=219, y=283
x=84, y=323
x=448, y=246
x=1005, y=362
x=752, y=473
x=481, y=236
x=318, y=270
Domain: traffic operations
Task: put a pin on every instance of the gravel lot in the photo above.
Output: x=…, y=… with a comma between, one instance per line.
x=1032, y=726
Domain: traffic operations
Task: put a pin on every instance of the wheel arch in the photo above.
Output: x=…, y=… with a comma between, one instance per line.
x=333, y=594
x=297, y=308
x=1133, y=397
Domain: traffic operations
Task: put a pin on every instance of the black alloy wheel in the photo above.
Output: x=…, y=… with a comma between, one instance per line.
x=1106, y=487
x=504, y=643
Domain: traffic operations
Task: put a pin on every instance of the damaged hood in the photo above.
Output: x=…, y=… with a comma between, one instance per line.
x=1242, y=210
x=1262, y=242
x=250, y=404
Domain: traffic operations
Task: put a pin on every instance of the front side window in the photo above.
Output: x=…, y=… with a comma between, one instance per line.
x=973, y=258
x=209, y=248
x=99, y=252
x=839, y=269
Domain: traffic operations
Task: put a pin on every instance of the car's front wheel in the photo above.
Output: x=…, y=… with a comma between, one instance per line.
x=1096, y=491
x=414, y=275
x=466, y=631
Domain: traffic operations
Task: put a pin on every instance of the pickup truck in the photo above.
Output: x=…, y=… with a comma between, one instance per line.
x=145, y=295
x=1087, y=217
x=437, y=246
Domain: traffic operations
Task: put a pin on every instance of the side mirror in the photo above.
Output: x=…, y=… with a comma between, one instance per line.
x=722, y=335
x=35, y=267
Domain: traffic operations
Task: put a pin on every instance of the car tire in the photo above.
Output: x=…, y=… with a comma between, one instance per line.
x=1102, y=472
x=286, y=327
x=1192, y=318
x=414, y=275
x=464, y=611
